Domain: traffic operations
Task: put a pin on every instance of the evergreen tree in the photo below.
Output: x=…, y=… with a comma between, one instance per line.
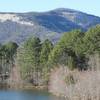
x=92, y=40
x=65, y=48
x=28, y=58
x=47, y=46
x=7, y=56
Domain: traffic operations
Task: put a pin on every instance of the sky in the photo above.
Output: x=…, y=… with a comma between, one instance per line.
x=88, y=6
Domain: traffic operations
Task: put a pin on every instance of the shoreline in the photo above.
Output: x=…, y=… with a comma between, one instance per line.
x=23, y=86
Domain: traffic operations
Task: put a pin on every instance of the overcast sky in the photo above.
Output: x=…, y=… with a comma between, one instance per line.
x=88, y=6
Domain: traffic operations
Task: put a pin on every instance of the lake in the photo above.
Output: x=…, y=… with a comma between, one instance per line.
x=27, y=95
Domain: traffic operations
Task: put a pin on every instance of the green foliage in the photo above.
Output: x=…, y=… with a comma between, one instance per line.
x=69, y=79
x=35, y=58
x=7, y=56
x=92, y=40
x=69, y=39
x=54, y=55
x=71, y=62
x=9, y=49
x=28, y=56
x=66, y=49
x=47, y=46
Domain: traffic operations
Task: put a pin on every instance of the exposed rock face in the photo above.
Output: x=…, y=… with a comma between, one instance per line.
x=14, y=18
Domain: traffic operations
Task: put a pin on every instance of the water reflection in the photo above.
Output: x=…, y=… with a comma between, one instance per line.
x=27, y=95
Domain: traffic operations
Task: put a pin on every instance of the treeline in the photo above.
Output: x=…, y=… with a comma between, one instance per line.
x=32, y=57
x=35, y=58
x=75, y=47
x=7, y=55
x=73, y=50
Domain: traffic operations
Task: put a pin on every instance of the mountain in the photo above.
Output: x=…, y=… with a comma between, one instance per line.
x=52, y=24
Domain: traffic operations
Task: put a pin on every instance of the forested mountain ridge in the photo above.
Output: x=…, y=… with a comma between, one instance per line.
x=18, y=27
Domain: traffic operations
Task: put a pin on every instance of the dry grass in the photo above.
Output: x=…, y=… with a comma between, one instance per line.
x=83, y=85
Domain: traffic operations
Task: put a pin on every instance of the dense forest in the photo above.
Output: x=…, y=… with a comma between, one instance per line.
x=36, y=58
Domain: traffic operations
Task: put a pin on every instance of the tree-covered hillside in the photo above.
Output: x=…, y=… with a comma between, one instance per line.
x=18, y=27
x=35, y=58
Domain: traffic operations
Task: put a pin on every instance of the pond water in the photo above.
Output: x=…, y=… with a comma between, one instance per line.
x=27, y=95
